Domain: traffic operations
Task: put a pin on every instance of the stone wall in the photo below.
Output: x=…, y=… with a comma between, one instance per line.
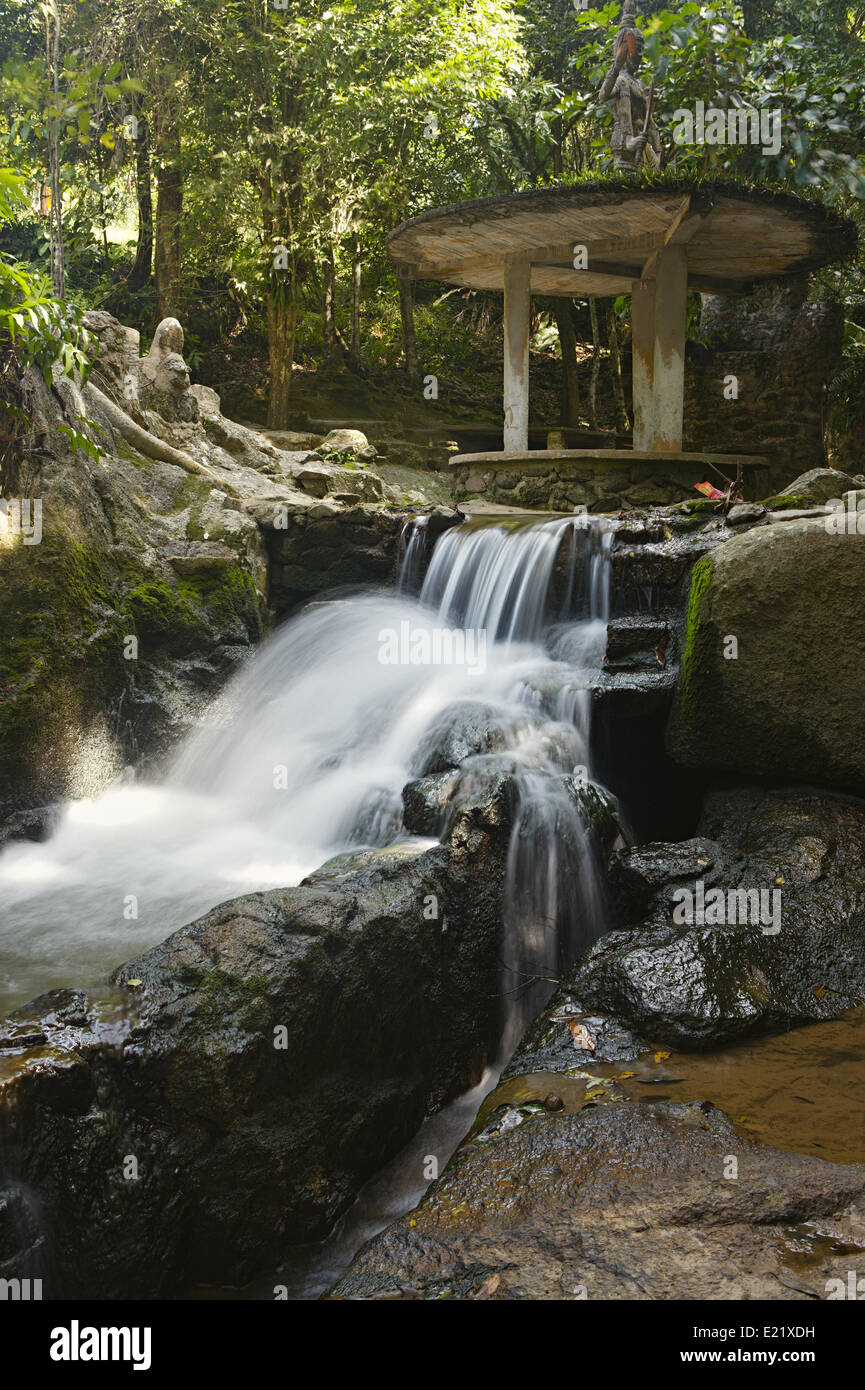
x=782, y=348
x=559, y=483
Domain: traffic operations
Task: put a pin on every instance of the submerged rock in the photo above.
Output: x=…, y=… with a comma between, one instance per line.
x=619, y=1202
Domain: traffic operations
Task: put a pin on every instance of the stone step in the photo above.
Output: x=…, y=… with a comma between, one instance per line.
x=638, y=642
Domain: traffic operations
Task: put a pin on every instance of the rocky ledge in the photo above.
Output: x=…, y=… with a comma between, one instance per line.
x=567, y=1188
x=226, y=1093
x=620, y=1202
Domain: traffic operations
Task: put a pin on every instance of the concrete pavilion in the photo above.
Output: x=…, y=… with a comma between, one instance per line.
x=653, y=242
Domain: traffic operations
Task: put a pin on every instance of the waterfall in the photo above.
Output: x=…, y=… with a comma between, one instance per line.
x=308, y=749
x=500, y=580
x=411, y=554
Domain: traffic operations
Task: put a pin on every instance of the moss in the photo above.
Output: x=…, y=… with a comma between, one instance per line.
x=696, y=633
x=192, y=491
x=161, y=614
x=785, y=502
x=228, y=593
x=124, y=450
x=224, y=995
x=188, y=975
x=61, y=637
x=696, y=506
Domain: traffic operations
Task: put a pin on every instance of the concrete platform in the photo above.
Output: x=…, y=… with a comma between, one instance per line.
x=557, y=480
x=544, y=459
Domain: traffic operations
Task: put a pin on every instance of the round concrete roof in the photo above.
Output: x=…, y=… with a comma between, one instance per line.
x=733, y=236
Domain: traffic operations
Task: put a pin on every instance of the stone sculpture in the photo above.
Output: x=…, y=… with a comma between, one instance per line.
x=635, y=139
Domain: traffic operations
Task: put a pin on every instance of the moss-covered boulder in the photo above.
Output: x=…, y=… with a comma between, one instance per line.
x=144, y=589
x=772, y=668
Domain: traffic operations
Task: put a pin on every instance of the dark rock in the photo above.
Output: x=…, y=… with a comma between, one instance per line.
x=326, y=548
x=621, y=1201
x=465, y=728
x=238, y=1064
x=549, y=1043
x=34, y=824
x=636, y=642
x=426, y=801
x=699, y=986
x=744, y=513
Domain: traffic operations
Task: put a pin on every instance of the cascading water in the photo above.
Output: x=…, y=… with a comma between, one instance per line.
x=500, y=582
x=308, y=750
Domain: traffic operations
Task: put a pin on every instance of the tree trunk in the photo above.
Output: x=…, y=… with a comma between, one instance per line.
x=406, y=312
x=570, y=390
x=52, y=53
x=169, y=209
x=623, y=424
x=356, y=266
x=281, y=334
x=596, y=362
x=141, y=270
x=328, y=309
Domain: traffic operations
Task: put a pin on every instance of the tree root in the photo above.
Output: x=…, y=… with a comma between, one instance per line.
x=150, y=445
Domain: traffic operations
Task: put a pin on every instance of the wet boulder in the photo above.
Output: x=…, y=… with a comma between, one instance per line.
x=466, y=728
x=229, y=1091
x=755, y=926
x=620, y=1201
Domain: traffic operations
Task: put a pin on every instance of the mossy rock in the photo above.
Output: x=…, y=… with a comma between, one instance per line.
x=785, y=503
x=786, y=701
x=60, y=658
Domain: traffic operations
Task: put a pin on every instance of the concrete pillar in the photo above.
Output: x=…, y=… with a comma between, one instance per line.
x=668, y=380
x=643, y=356
x=516, y=394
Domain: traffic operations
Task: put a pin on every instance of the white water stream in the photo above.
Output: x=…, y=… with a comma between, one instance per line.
x=307, y=752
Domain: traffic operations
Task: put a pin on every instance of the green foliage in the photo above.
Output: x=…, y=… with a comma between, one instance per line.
x=35, y=326
x=319, y=126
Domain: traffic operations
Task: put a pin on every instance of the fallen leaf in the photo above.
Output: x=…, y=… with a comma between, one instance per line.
x=661, y=650
x=134, y=982
x=819, y=991
x=581, y=1036
x=659, y=1056
x=487, y=1288
x=622, y=1075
